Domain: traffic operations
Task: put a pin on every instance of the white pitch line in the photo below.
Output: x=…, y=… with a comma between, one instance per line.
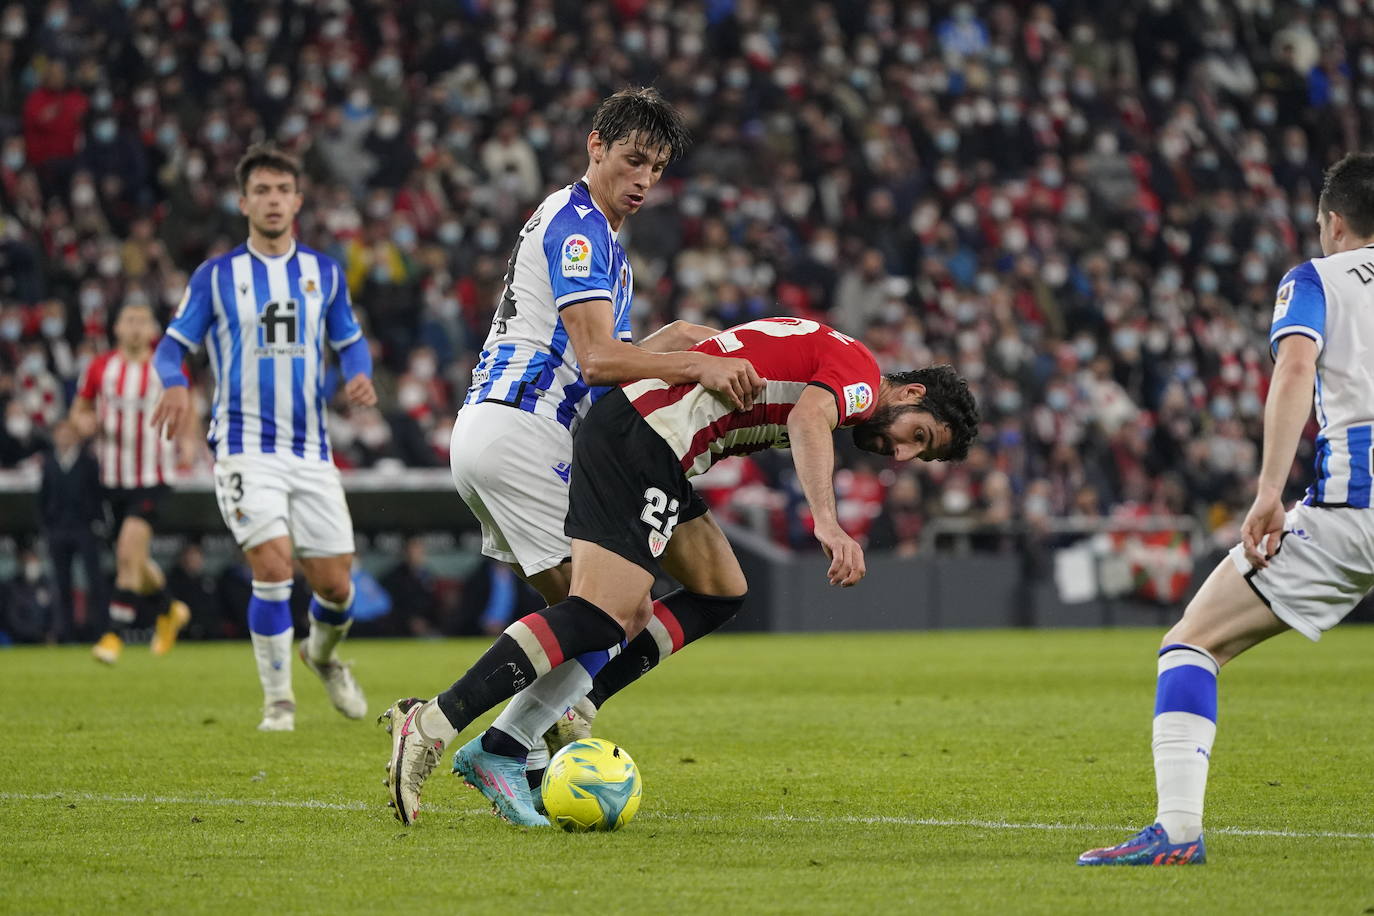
x=311, y=803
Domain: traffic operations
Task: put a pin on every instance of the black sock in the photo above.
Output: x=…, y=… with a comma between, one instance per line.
x=495, y=741
x=124, y=607
x=682, y=617
x=156, y=603
x=563, y=631
x=536, y=779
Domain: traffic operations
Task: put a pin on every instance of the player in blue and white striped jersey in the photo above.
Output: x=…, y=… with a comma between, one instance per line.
x=1305, y=568
x=265, y=311
x=561, y=330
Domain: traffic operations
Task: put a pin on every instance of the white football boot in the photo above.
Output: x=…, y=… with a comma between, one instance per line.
x=279, y=716
x=414, y=755
x=339, y=683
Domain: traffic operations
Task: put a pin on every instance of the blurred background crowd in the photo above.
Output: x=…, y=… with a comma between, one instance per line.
x=1085, y=207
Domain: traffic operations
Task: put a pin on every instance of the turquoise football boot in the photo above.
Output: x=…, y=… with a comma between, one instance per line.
x=501, y=780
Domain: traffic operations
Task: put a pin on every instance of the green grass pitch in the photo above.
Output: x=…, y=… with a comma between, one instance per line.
x=938, y=772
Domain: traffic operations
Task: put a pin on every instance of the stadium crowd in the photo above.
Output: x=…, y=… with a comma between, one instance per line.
x=1084, y=207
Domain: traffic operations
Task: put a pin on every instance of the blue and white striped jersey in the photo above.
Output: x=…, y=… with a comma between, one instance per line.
x=266, y=320
x=1331, y=300
x=566, y=254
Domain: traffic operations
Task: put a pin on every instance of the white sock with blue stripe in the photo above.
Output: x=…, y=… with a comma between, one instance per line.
x=269, y=624
x=1185, y=727
x=329, y=623
x=534, y=710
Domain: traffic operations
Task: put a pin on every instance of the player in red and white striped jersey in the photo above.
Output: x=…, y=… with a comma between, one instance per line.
x=115, y=403
x=633, y=512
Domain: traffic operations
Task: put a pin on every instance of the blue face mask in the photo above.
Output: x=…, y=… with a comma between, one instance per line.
x=404, y=236
x=104, y=130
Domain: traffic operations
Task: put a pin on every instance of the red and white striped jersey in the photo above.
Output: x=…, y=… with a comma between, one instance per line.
x=130, y=453
x=789, y=354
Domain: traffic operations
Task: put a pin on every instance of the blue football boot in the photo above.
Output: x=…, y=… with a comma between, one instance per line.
x=1150, y=846
x=501, y=780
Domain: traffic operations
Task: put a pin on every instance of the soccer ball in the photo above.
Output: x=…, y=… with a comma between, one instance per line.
x=592, y=784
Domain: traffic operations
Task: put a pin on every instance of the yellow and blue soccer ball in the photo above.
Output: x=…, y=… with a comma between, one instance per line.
x=592, y=784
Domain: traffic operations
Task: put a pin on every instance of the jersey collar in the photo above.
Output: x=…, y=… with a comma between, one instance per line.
x=587, y=189
x=269, y=258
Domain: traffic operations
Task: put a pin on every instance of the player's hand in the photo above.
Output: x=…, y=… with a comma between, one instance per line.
x=359, y=391
x=732, y=380
x=172, y=412
x=1262, y=529
x=846, y=556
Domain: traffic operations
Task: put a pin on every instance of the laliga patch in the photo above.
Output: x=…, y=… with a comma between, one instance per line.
x=1283, y=299
x=857, y=398
x=657, y=543
x=577, y=256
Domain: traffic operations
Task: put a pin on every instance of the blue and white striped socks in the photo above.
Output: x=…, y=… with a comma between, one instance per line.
x=1184, y=728
x=269, y=624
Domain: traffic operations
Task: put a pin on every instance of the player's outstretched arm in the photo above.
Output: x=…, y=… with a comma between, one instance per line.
x=676, y=335
x=607, y=361
x=809, y=427
x=173, y=410
x=1285, y=415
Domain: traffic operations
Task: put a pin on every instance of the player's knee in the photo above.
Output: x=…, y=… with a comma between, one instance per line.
x=334, y=589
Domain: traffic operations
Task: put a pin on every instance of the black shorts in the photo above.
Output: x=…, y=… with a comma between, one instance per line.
x=627, y=492
x=138, y=502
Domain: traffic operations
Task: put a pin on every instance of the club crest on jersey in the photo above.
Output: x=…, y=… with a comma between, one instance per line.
x=1283, y=299
x=857, y=398
x=577, y=256
x=657, y=543
x=310, y=287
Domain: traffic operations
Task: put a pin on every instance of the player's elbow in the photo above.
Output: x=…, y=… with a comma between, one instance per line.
x=597, y=369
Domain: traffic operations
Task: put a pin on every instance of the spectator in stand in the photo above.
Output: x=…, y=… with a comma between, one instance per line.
x=27, y=601
x=69, y=500
x=414, y=594
x=1086, y=207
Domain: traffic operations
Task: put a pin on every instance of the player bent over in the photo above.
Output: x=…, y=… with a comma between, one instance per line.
x=1305, y=569
x=266, y=309
x=632, y=508
x=116, y=397
x=560, y=335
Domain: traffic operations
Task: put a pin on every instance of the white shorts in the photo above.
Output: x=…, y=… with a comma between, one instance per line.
x=263, y=497
x=511, y=468
x=1324, y=566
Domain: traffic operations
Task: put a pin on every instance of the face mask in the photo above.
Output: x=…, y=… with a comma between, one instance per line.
x=488, y=238
x=340, y=70
x=218, y=29
x=14, y=159
x=388, y=127
x=947, y=141
x=387, y=68
x=1266, y=114
x=404, y=236
x=195, y=168
x=1207, y=282
x=104, y=130
x=451, y=233
x=1008, y=400
x=1126, y=339
x=1055, y=274
x=956, y=501
x=15, y=27
x=19, y=426
x=165, y=65
x=1222, y=408
x=108, y=266
x=1058, y=399
x=278, y=87
x=83, y=195
x=216, y=132
x=33, y=571
x=293, y=127
x=11, y=329
x=1086, y=348
x=423, y=369
x=359, y=101
x=53, y=326
x=229, y=202
x=268, y=28
x=33, y=364
x=1253, y=273
x=1162, y=88
x=57, y=19
x=92, y=300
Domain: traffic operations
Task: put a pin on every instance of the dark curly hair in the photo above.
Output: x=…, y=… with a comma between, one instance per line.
x=949, y=401
x=1348, y=189
x=642, y=111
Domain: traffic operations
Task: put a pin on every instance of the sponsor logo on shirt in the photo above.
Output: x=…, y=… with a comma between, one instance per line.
x=1283, y=300
x=577, y=256
x=857, y=398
